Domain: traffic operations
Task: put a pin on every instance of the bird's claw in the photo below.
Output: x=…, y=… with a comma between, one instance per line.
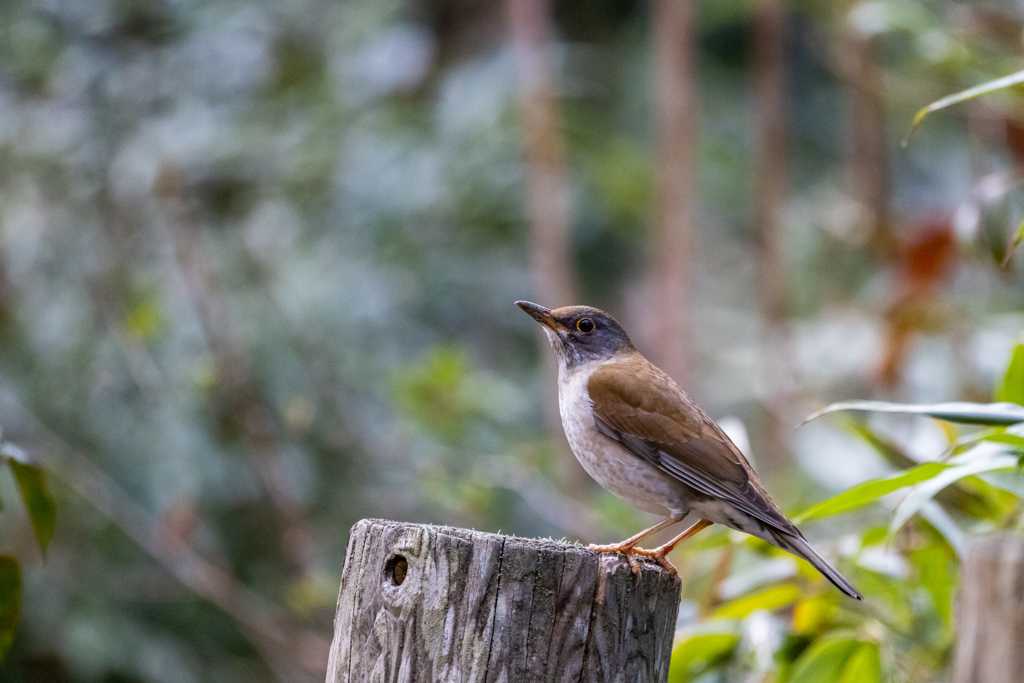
x=659, y=555
x=626, y=550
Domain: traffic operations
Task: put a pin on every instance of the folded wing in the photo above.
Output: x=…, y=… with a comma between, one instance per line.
x=642, y=408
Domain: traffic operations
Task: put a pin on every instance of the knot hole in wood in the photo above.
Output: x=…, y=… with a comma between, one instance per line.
x=396, y=569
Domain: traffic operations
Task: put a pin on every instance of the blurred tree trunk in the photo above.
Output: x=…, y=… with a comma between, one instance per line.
x=675, y=92
x=547, y=179
x=547, y=188
x=771, y=187
x=990, y=614
x=869, y=160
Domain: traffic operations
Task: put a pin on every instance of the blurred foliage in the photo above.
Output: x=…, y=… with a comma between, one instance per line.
x=257, y=266
x=10, y=601
x=42, y=511
x=870, y=491
x=908, y=579
x=963, y=96
x=1012, y=387
x=42, y=514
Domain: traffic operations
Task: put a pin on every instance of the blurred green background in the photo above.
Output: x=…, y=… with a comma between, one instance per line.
x=257, y=270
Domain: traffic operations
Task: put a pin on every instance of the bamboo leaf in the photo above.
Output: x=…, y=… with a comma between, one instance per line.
x=1012, y=246
x=970, y=93
x=937, y=575
x=1008, y=439
x=870, y=491
x=995, y=414
x=695, y=654
x=10, y=602
x=769, y=599
x=990, y=462
x=1012, y=388
x=955, y=497
x=825, y=660
x=863, y=666
x=887, y=449
x=813, y=614
x=13, y=454
x=42, y=511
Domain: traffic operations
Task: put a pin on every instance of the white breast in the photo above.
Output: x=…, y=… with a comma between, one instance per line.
x=608, y=462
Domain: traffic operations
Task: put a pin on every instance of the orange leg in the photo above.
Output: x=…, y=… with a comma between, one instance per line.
x=660, y=554
x=628, y=547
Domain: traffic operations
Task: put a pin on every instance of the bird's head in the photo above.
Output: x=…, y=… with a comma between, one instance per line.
x=579, y=334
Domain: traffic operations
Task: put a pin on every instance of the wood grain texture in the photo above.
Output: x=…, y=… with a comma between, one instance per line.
x=475, y=607
x=990, y=614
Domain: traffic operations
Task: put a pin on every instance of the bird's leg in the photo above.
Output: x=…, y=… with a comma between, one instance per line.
x=661, y=553
x=628, y=547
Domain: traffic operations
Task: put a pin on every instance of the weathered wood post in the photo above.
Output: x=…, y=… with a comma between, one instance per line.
x=990, y=615
x=428, y=603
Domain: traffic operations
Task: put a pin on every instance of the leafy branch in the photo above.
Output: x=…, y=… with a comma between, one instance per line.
x=1001, y=449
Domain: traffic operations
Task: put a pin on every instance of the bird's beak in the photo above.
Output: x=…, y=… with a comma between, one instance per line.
x=542, y=315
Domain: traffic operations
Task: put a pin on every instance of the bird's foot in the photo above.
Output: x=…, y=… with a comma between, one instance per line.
x=659, y=555
x=626, y=549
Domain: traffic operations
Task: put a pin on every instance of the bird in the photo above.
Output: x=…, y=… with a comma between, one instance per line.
x=645, y=440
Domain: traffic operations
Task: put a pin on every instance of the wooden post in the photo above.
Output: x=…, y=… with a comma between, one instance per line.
x=990, y=616
x=428, y=603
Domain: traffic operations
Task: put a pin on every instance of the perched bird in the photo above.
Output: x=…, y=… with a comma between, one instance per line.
x=642, y=438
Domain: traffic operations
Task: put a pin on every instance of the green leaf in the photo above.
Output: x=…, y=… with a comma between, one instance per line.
x=41, y=509
x=1012, y=389
x=998, y=414
x=984, y=88
x=10, y=602
x=967, y=464
x=769, y=599
x=863, y=666
x=1012, y=246
x=887, y=449
x=825, y=660
x=695, y=654
x=937, y=575
x=12, y=453
x=870, y=491
x=1009, y=439
x=955, y=497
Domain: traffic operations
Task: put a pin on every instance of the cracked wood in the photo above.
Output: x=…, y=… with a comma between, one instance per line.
x=428, y=603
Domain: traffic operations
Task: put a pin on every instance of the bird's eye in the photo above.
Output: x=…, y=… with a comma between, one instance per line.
x=585, y=325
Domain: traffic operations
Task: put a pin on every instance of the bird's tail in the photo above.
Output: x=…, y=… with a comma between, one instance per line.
x=798, y=545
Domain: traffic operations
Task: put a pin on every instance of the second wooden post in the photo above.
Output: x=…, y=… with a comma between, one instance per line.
x=990, y=613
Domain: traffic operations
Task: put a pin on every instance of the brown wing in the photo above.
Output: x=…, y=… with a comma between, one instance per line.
x=638, y=405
